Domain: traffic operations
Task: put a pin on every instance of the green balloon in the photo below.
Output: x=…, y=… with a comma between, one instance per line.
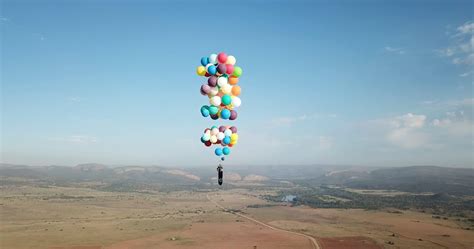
x=213, y=110
x=237, y=71
x=226, y=99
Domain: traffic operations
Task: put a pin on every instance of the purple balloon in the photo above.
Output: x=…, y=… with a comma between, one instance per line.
x=205, y=89
x=212, y=81
x=221, y=68
x=233, y=115
x=221, y=128
x=233, y=129
x=214, y=117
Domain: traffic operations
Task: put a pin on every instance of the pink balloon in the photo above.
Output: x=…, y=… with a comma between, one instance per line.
x=222, y=57
x=230, y=69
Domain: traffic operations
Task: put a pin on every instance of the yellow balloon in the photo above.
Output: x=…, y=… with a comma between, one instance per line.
x=234, y=137
x=201, y=71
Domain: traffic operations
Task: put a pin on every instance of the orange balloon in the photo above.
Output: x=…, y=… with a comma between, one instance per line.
x=236, y=90
x=233, y=80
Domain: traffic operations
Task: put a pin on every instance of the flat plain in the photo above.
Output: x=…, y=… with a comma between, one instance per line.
x=85, y=218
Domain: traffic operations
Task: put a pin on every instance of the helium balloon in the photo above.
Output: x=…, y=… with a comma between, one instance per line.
x=236, y=102
x=229, y=69
x=233, y=115
x=213, y=139
x=208, y=143
x=226, y=88
x=237, y=72
x=225, y=151
x=222, y=128
x=211, y=69
x=236, y=90
x=218, y=151
x=201, y=71
x=222, y=58
x=221, y=81
x=216, y=101
x=206, y=89
x=215, y=117
x=213, y=110
x=231, y=60
x=213, y=58
x=233, y=129
x=222, y=158
x=234, y=137
x=204, y=61
x=221, y=68
x=214, y=131
x=226, y=140
x=225, y=114
x=228, y=132
x=212, y=81
x=214, y=91
x=205, y=111
x=226, y=99
x=233, y=80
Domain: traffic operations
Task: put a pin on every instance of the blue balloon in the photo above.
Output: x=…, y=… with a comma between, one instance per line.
x=225, y=114
x=204, y=61
x=226, y=151
x=222, y=158
x=212, y=70
x=218, y=152
x=202, y=139
x=205, y=111
x=226, y=140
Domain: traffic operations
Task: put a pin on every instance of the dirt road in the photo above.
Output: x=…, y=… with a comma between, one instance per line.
x=311, y=239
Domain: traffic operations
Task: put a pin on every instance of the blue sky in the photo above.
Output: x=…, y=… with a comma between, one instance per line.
x=324, y=82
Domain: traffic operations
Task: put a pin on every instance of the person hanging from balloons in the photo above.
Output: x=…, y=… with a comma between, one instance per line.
x=222, y=90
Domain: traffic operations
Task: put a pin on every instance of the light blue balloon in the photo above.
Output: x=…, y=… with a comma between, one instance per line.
x=226, y=99
x=212, y=70
x=226, y=140
x=204, y=61
x=218, y=152
x=225, y=114
x=226, y=151
x=205, y=111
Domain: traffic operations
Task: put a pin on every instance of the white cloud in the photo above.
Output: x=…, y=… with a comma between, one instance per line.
x=75, y=99
x=76, y=139
x=290, y=120
x=4, y=19
x=404, y=131
x=461, y=49
x=394, y=50
x=467, y=28
x=456, y=123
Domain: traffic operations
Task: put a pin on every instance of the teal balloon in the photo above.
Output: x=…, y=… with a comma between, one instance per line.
x=205, y=111
x=226, y=99
x=218, y=152
x=225, y=114
x=226, y=151
x=213, y=127
x=226, y=140
x=213, y=110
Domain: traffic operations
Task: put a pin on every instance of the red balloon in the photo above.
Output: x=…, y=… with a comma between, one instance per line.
x=229, y=69
x=208, y=143
x=222, y=57
x=207, y=75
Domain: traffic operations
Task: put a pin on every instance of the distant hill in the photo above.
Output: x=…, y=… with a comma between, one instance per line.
x=456, y=181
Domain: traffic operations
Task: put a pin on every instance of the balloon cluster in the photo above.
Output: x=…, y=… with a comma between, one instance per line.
x=221, y=86
x=224, y=135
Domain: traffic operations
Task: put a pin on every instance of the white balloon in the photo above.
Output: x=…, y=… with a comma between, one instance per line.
x=222, y=81
x=214, y=132
x=214, y=91
x=216, y=101
x=226, y=89
x=236, y=102
x=206, y=137
x=220, y=135
x=213, y=59
x=213, y=139
x=231, y=60
x=208, y=132
x=228, y=132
